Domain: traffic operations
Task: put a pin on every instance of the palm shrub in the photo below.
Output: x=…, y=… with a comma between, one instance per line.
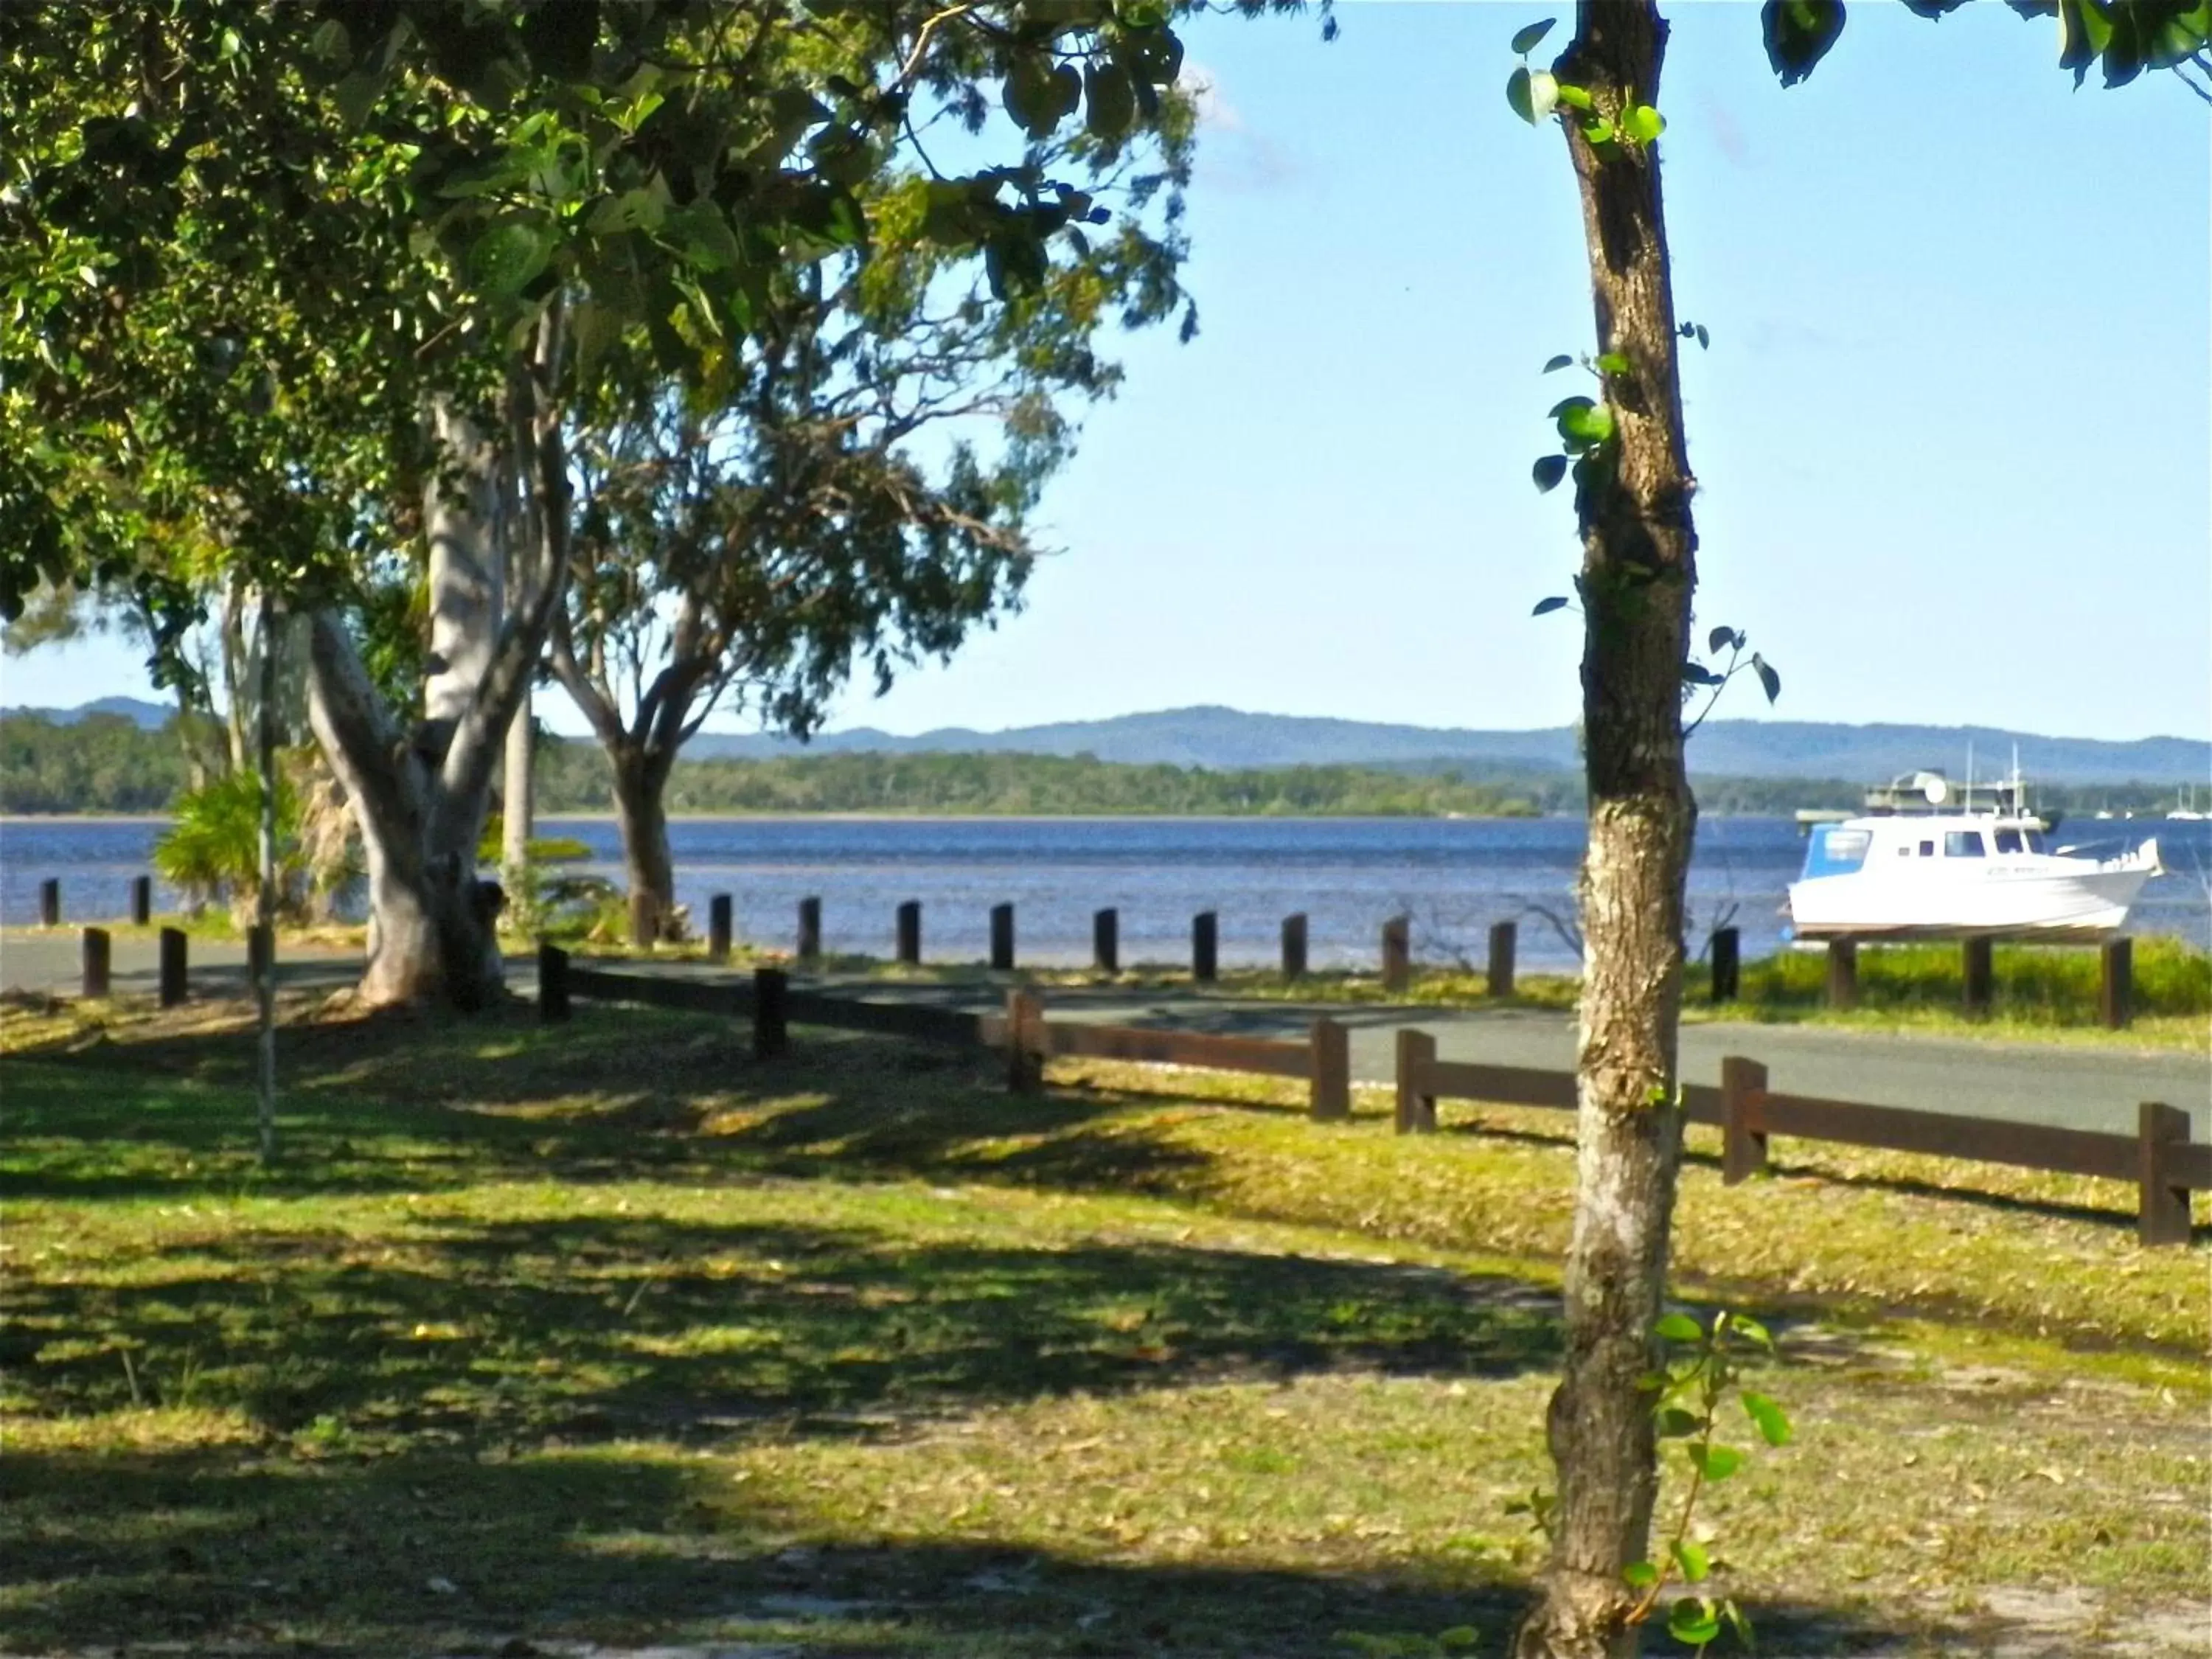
x=212, y=849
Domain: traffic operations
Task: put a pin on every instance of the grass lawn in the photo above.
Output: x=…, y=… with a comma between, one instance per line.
x=607, y=1332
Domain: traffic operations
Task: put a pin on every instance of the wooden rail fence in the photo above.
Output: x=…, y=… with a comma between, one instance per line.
x=2160, y=1159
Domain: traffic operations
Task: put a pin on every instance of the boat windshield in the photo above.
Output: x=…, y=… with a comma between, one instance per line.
x=1834, y=850
x=2019, y=838
x=1962, y=844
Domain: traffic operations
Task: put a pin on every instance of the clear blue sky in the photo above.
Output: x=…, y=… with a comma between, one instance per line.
x=1952, y=436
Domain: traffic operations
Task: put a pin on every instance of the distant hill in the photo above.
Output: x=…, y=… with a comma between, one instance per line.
x=146, y=716
x=1227, y=738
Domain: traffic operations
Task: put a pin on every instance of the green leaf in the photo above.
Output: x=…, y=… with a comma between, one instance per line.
x=1691, y=1621
x=1723, y=636
x=1690, y=1556
x=1547, y=473
x=1573, y=96
x=559, y=37
x=1737, y=1621
x=1582, y=421
x=1678, y=1327
x=1705, y=340
x=2084, y=31
x=1744, y=1324
x=1767, y=678
x=1639, y=1575
x=1715, y=1463
x=507, y=257
x=1696, y=673
x=1773, y=1426
x=1525, y=40
x=1612, y=362
x=1673, y=1422
x=1557, y=601
x=1109, y=102
x=1562, y=361
x=1799, y=34
x=1643, y=124
x=1543, y=95
x=1598, y=130
x=1517, y=95
x=1460, y=1638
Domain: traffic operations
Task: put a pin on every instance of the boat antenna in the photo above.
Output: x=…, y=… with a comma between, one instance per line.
x=1970, y=774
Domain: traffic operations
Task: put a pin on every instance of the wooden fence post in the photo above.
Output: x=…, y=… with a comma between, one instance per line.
x=1106, y=940
x=1205, y=947
x=1002, y=938
x=1726, y=965
x=1842, y=973
x=260, y=952
x=142, y=901
x=718, y=928
x=1397, y=953
x=2116, y=985
x=49, y=902
x=1978, y=961
x=1331, y=1071
x=1417, y=1110
x=907, y=944
x=1024, y=1046
x=771, y=1035
x=1743, y=1147
x=172, y=983
x=644, y=922
x=94, y=948
x=809, y=929
x=552, y=984
x=2162, y=1208
x=1294, y=946
x=1504, y=936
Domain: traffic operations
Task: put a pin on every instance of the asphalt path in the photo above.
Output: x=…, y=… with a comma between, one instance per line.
x=2074, y=1085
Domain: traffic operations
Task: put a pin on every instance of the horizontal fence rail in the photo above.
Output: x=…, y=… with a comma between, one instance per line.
x=2160, y=1159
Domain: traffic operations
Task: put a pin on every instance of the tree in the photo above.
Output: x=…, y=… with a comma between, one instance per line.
x=1633, y=488
x=838, y=507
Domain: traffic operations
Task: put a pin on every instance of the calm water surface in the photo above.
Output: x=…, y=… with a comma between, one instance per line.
x=1454, y=876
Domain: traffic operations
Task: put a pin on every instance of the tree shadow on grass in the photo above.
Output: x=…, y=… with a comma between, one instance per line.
x=487, y=1334
x=272, y=1553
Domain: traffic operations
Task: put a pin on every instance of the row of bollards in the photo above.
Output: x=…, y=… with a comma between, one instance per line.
x=96, y=959
x=141, y=902
x=1977, y=974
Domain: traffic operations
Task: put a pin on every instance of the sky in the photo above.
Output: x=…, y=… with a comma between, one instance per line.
x=1953, y=436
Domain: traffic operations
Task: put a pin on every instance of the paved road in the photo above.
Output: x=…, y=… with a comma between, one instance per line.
x=2079, y=1086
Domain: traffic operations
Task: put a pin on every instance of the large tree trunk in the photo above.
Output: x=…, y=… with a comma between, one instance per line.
x=1638, y=572
x=641, y=781
x=421, y=798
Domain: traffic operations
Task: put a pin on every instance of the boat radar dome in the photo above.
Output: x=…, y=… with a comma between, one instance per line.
x=1935, y=785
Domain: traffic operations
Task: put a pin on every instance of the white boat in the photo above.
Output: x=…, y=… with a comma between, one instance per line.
x=1941, y=870
x=2187, y=811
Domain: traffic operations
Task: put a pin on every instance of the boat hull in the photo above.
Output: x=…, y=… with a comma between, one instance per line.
x=2087, y=904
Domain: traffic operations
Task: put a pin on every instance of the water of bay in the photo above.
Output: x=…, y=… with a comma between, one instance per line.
x=1453, y=877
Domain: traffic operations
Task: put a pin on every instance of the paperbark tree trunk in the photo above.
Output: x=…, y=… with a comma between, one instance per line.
x=421, y=797
x=641, y=780
x=1637, y=576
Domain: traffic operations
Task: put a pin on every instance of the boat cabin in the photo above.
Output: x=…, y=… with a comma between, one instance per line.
x=1846, y=849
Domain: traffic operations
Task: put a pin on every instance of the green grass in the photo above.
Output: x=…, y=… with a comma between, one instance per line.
x=624, y=1338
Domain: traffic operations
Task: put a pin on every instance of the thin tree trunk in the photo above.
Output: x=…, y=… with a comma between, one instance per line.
x=641, y=780
x=265, y=908
x=518, y=805
x=1638, y=572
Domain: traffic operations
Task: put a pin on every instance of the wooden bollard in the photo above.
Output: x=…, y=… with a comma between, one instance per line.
x=1977, y=963
x=49, y=902
x=1726, y=965
x=1842, y=973
x=1397, y=953
x=719, y=927
x=2115, y=988
x=1332, y=1072
x=1504, y=936
x=173, y=986
x=2162, y=1212
x=552, y=984
x=1743, y=1142
x=94, y=948
x=1294, y=946
x=771, y=1035
x=1206, y=947
x=907, y=931
x=142, y=901
x=1025, y=1043
x=1002, y=938
x=260, y=953
x=809, y=929
x=1416, y=1109
x=1106, y=940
